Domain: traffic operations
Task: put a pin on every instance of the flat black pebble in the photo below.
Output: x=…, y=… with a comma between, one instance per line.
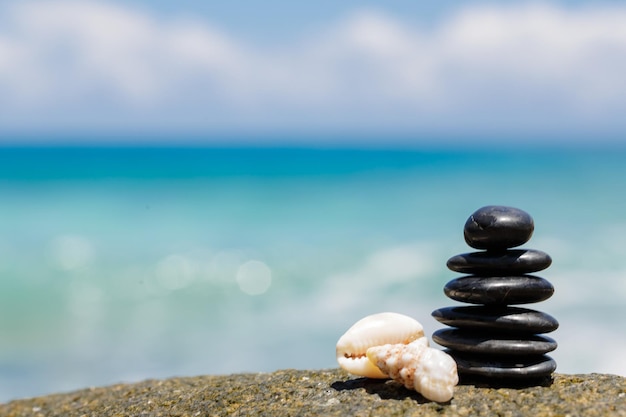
x=498, y=227
x=499, y=290
x=525, y=367
x=510, y=262
x=493, y=344
x=512, y=319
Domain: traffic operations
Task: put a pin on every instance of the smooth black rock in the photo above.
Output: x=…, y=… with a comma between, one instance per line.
x=493, y=344
x=524, y=367
x=499, y=290
x=498, y=227
x=510, y=262
x=509, y=319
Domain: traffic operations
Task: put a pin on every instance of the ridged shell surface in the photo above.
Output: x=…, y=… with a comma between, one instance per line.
x=431, y=372
x=375, y=330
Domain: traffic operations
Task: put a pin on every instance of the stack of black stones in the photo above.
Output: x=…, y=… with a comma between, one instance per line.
x=493, y=339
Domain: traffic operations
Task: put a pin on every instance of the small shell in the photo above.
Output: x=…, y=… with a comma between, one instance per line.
x=431, y=372
x=375, y=330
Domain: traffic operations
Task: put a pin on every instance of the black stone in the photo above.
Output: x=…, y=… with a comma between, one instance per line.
x=499, y=290
x=498, y=227
x=523, y=367
x=510, y=262
x=493, y=344
x=509, y=319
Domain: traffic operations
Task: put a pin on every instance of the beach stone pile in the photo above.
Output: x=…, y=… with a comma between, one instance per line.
x=493, y=339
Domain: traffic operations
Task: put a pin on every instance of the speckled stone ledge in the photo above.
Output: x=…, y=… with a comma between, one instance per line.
x=327, y=393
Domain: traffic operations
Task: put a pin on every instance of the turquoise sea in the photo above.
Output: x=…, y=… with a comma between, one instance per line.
x=119, y=264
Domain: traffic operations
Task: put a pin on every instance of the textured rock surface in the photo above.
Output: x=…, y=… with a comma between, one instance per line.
x=327, y=393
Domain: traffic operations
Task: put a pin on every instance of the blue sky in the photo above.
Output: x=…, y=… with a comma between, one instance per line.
x=407, y=71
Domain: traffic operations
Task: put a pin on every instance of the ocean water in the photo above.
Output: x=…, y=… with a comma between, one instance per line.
x=123, y=264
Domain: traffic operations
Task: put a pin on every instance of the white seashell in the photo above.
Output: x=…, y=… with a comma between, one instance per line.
x=376, y=330
x=431, y=372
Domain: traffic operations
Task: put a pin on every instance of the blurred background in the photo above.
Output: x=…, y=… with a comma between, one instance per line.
x=201, y=187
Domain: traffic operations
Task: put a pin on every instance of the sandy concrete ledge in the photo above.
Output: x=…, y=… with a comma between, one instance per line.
x=326, y=393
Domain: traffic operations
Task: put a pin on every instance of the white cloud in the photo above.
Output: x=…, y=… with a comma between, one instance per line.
x=86, y=64
x=73, y=49
x=573, y=53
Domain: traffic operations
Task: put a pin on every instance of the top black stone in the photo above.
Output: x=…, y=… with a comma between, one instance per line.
x=498, y=227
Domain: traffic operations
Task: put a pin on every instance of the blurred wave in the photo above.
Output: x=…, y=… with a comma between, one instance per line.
x=120, y=264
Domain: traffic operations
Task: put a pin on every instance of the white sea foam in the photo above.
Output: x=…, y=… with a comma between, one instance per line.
x=254, y=277
x=85, y=299
x=222, y=267
x=175, y=272
x=70, y=252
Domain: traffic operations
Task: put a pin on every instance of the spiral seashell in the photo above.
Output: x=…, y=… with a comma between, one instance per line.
x=431, y=372
x=393, y=345
x=375, y=330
